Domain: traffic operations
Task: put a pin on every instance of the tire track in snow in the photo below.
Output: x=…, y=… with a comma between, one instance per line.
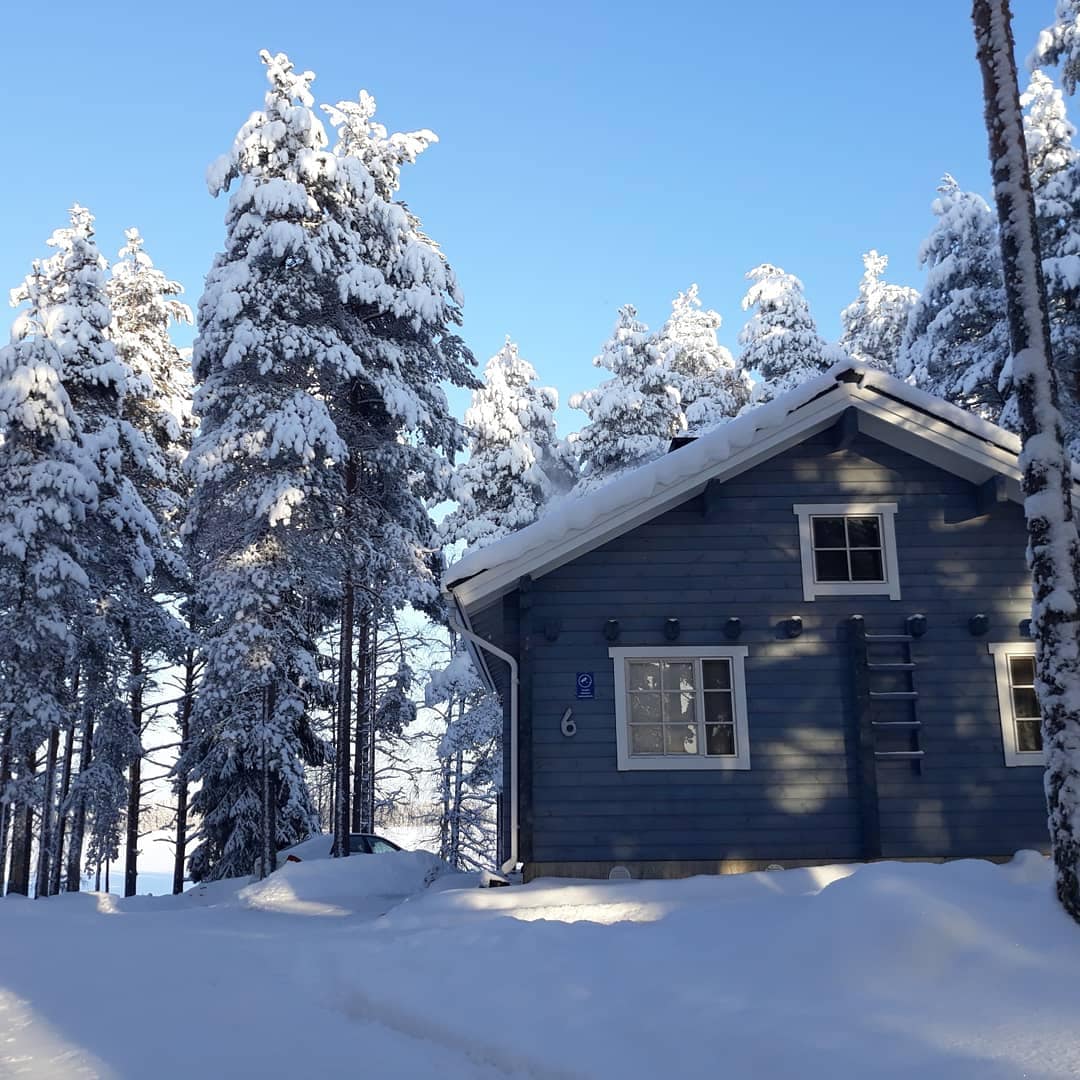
x=362, y=1008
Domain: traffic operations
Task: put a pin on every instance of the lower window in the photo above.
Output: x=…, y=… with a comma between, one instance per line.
x=1021, y=722
x=681, y=708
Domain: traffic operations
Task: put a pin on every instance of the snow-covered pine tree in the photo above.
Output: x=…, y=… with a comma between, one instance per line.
x=470, y=760
x=1053, y=546
x=1055, y=178
x=157, y=412
x=112, y=537
x=516, y=460
x=128, y=546
x=956, y=343
x=50, y=488
x=1059, y=43
x=266, y=486
x=713, y=388
x=145, y=304
x=632, y=416
x=402, y=305
x=873, y=323
x=780, y=340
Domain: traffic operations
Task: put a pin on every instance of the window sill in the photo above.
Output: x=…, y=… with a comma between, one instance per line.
x=691, y=764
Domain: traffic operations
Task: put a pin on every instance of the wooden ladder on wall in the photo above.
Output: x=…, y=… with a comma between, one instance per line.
x=886, y=720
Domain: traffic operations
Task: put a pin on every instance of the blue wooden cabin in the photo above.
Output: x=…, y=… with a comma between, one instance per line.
x=800, y=638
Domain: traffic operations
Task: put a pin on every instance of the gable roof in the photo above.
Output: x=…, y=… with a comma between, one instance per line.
x=889, y=410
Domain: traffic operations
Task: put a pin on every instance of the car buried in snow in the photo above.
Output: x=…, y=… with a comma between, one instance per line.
x=359, y=844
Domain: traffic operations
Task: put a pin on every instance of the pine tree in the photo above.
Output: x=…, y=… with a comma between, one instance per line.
x=99, y=570
x=265, y=488
x=1059, y=43
x=632, y=416
x=712, y=387
x=50, y=489
x=402, y=305
x=157, y=414
x=873, y=324
x=516, y=461
x=470, y=761
x=780, y=341
x=956, y=342
x=1055, y=177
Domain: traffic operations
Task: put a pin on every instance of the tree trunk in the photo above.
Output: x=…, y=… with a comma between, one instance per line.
x=78, y=821
x=363, y=717
x=268, y=823
x=46, y=839
x=181, y=773
x=372, y=705
x=5, y=807
x=1053, y=548
x=131, y=846
x=455, y=820
x=22, y=837
x=444, y=825
x=344, y=724
x=61, y=807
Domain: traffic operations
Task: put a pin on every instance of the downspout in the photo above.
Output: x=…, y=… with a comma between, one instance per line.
x=511, y=662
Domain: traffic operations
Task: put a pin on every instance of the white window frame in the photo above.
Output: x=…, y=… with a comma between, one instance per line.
x=736, y=654
x=1001, y=651
x=886, y=513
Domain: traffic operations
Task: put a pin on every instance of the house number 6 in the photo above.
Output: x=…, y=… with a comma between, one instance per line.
x=567, y=724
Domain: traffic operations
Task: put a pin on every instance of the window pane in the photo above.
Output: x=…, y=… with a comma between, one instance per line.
x=831, y=565
x=645, y=709
x=1022, y=670
x=718, y=708
x=678, y=676
x=680, y=738
x=866, y=565
x=864, y=532
x=1025, y=704
x=829, y=532
x=717, y=674
x=719, y=739
x=646, y=739
x=679, y=707
x=643, y=675
x=1028, y=735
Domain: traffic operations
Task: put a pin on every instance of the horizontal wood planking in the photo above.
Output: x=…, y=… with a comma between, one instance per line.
x=744, y=562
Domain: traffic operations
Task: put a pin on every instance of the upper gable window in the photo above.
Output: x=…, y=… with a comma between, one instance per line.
x=848, y=549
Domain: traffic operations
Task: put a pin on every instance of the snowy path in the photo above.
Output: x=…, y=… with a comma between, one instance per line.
x=965, y=972
x=216, y=995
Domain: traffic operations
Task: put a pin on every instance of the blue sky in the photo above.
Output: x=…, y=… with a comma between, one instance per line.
x=591, y=154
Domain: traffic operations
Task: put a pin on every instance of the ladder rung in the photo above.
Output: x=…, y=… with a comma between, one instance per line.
x=896, y=723
x=899, y=754
x=894, y=695
x=907, y=666
x=887, y=637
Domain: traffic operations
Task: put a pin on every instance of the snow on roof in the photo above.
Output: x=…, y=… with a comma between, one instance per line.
x=571, y=515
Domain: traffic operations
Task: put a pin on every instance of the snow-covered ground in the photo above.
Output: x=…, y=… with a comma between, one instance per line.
x=387, y=966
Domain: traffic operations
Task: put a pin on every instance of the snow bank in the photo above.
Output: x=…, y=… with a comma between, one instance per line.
x=358, y=884
x=892, y=971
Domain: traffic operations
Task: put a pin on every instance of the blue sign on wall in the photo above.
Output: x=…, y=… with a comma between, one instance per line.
x=586, y=687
